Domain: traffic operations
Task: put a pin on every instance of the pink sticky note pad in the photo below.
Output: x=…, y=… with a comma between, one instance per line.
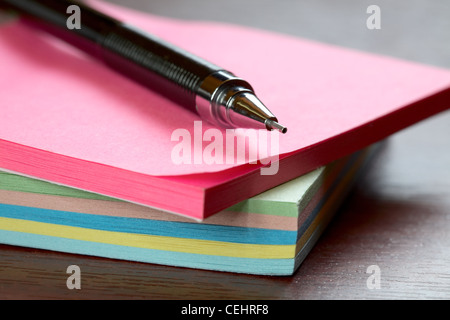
x=91, y=123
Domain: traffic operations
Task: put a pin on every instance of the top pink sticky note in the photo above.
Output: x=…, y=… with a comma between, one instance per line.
x=59, y=100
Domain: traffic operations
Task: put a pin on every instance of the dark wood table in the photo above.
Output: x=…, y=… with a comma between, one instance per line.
x=397, y=218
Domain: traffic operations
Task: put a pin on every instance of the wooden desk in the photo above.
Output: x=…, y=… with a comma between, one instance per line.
x=397, y=218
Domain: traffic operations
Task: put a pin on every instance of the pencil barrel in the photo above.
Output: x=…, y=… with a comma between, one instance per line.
x=153, y=62
x=152, y=55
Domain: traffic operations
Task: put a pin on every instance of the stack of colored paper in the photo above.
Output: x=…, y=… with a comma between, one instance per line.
x=268, y=234
x=69, y=119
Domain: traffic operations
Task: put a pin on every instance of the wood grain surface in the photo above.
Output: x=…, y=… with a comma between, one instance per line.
x=397, y=217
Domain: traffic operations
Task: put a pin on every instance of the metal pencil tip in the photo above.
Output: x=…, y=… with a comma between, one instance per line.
x=271, y=124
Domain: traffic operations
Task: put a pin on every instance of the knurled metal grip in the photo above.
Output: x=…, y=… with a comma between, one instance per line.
x=173, y=72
